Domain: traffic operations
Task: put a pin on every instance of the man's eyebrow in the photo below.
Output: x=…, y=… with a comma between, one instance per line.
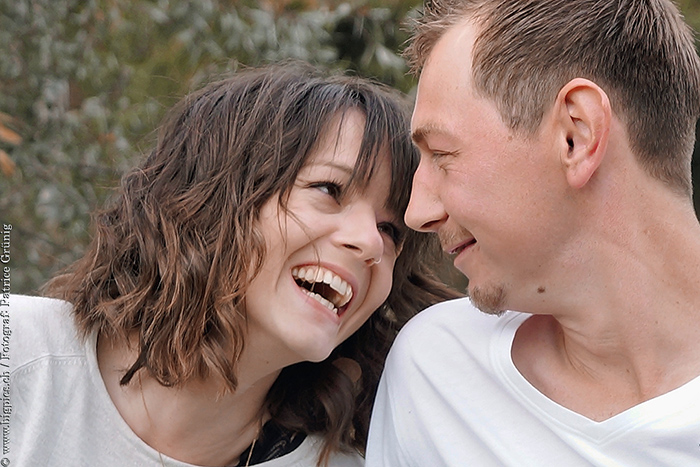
x=421, y=133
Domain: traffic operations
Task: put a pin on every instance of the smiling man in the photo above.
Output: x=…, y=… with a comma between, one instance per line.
x=556, y=138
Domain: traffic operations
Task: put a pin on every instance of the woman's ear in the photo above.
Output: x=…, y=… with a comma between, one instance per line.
x=583, y=115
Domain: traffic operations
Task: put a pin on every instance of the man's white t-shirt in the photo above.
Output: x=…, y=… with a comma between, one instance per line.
x=450, y=395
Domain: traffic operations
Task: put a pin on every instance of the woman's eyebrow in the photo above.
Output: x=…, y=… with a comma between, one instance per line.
x=339, y=166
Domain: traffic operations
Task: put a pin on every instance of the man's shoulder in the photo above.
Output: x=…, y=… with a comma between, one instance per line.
x=453, y=317
x=449, y=330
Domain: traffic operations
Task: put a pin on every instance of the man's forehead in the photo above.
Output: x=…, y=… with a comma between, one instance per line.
x=454, y=46
x=445, y=77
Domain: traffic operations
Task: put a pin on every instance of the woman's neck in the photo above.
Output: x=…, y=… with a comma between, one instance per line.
x=197, y=423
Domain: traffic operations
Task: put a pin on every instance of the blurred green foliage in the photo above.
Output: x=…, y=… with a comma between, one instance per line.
x=83, y=84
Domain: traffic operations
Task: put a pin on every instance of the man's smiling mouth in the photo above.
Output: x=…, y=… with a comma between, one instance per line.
x=323, y=285
x=461, y=247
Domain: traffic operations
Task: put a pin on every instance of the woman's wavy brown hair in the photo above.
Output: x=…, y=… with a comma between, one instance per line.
x=174, y=251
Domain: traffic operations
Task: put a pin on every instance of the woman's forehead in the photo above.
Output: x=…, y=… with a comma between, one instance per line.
x=340, y=142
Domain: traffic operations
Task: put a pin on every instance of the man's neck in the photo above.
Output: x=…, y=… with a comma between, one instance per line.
x=627, y=328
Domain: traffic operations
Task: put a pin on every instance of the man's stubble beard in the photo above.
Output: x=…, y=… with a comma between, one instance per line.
x=490, y=299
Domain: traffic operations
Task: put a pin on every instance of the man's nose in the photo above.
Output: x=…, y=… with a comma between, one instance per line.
x=425, y=212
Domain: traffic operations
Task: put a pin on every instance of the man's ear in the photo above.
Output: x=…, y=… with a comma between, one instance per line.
x=583, y=115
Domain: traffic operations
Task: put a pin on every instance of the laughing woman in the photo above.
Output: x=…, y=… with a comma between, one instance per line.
x=241, y=291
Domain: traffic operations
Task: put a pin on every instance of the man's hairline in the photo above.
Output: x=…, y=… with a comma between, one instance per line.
x=419, y=135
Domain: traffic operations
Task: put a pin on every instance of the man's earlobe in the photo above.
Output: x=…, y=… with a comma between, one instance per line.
x=583, y=113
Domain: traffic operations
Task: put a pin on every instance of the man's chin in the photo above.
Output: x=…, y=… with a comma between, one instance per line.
x=490, y=299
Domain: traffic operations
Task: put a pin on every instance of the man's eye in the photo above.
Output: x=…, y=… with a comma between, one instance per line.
x=435, y=153
x=441, y=159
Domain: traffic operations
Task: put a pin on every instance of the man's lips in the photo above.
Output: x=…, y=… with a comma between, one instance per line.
x=458, y=248
x=454, y=241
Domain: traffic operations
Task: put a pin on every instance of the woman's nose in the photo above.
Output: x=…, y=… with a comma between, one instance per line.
x=358, y=232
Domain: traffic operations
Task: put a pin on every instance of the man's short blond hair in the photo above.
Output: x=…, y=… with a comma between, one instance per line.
x=640, y=52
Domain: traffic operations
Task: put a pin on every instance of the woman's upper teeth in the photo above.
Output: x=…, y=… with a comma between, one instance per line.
x=318, y=274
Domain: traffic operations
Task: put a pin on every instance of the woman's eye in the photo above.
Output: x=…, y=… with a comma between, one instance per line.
x=331, y=189
x=395, y=233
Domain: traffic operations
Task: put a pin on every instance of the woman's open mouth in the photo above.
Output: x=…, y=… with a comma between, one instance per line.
x=324, y=286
